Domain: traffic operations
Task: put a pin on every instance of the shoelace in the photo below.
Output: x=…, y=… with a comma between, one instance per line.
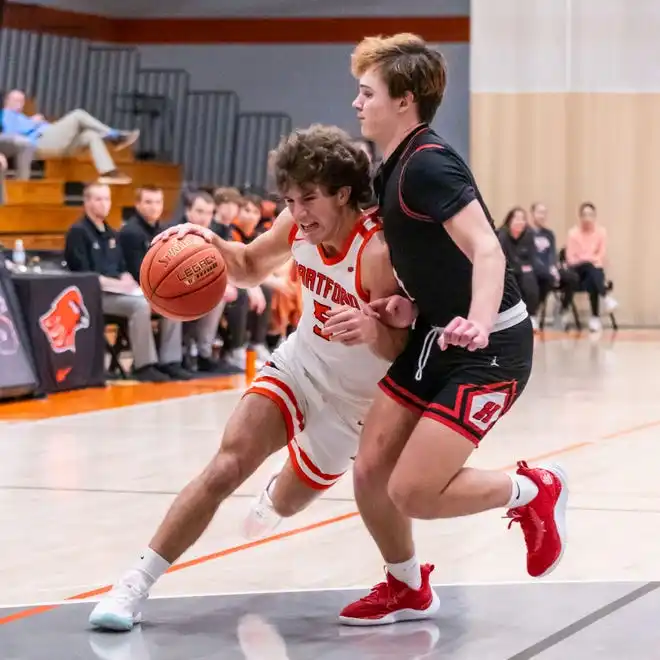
x=377, y=592
x=531, y=525
x=126, y=592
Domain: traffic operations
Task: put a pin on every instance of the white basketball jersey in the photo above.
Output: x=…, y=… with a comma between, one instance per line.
x=348, y=372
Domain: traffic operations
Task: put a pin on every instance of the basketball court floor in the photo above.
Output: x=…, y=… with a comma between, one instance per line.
x=85, y=479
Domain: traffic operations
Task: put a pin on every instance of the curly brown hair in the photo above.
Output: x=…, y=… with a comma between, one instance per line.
x=324, y=156
x=406, y=64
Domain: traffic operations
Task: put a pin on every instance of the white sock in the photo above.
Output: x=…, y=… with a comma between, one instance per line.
x=523, y=491
x=151, y=566
x=408, y=572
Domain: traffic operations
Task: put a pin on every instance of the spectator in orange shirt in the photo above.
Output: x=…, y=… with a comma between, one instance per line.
x=248, y=317
x=586, y=251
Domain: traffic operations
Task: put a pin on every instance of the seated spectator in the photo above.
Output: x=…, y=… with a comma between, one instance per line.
x=76, y=130
x=92, y=246
x=586, y=251
x=134, y=240
x=248, y=317
x=517, y=241
x=227, y=203
x=286, y=308
x=199, y=210
x=20, y=149
x=550, y=273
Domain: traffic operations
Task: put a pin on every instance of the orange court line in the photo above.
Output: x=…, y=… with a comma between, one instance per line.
x=118, y=394
x=40, y=609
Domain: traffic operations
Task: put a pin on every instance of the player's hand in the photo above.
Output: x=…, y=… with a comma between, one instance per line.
x=179, y=231
x=256, y=299
x=463, y=333
x=231, y=293
x=350, y=326
x=394, y=311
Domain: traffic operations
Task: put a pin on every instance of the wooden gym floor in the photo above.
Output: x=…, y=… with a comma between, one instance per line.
x=81, y=492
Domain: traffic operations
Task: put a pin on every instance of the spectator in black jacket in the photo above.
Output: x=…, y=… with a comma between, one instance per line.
x=199, y=209
x=517, y=241
x=92, y=246
x=550, y=273
x=134, y=240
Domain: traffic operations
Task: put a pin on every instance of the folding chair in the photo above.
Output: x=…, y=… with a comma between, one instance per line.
x=119, y=345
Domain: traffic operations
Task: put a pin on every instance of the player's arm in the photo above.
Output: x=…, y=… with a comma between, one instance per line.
x=437, y=186
x=361, y=326
x=247, y=265
x=379, y=282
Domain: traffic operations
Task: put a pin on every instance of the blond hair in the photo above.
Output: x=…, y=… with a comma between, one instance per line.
x=407, y=65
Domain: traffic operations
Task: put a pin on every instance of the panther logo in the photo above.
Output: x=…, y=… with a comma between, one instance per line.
x=67, y=315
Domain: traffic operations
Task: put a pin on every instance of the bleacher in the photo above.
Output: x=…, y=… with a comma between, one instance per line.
x=200, y=136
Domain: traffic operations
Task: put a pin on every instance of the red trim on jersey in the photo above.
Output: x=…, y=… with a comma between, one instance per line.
x=287, y=391
x=367, y=235
x=359, y=228
x=457, y=428
x=292, y=233
x=280, y=403
x=341, y=255
x=301, y=474
x=407, y=210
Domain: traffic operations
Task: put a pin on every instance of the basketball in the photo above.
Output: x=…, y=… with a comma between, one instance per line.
x=183, y=278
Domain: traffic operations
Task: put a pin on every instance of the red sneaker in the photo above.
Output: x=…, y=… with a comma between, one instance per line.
x=543, y=520
x=393, y=601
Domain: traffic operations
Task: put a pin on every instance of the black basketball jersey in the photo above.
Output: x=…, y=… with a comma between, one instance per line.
x=421, y=185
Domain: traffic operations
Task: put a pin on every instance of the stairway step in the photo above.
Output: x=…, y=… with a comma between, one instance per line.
x=44, y=219
x=30, y=193
x=142, y=173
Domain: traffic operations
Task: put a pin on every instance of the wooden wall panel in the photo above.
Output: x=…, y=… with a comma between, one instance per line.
x=567, y=148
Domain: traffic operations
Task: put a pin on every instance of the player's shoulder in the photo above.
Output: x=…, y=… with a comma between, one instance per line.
x=435, y=156
x=375, y=247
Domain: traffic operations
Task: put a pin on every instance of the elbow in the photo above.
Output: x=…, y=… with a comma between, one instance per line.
x=490, y=251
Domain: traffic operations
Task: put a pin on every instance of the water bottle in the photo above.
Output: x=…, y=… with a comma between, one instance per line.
x=18, y=256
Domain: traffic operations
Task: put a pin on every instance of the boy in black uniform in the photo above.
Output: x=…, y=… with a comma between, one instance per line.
x=469, y=354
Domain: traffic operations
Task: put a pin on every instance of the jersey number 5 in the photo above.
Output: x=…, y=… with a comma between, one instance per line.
x=321, y=315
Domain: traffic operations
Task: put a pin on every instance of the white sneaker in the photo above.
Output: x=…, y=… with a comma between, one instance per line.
x=262, y=353
x=120, y=609
x=610, y=304
x=236, y=358
x=594, y=324
x=262, y=518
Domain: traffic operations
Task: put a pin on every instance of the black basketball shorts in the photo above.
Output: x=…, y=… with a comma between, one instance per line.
x=466, y=391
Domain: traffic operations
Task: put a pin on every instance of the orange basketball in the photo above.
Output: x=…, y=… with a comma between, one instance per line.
x=183, y=278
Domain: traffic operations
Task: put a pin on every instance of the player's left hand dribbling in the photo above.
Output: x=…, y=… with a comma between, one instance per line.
x=179, y=231
x=463, y=333
x=350, y=326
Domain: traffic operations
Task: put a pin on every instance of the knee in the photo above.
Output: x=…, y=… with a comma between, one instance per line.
x=142, y=310
x=225, y=473
x=79, y=114
x=367, y=475
x=407, y=497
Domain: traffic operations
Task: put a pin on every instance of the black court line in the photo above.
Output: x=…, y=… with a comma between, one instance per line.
x=117, y=491
x=584, y=622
